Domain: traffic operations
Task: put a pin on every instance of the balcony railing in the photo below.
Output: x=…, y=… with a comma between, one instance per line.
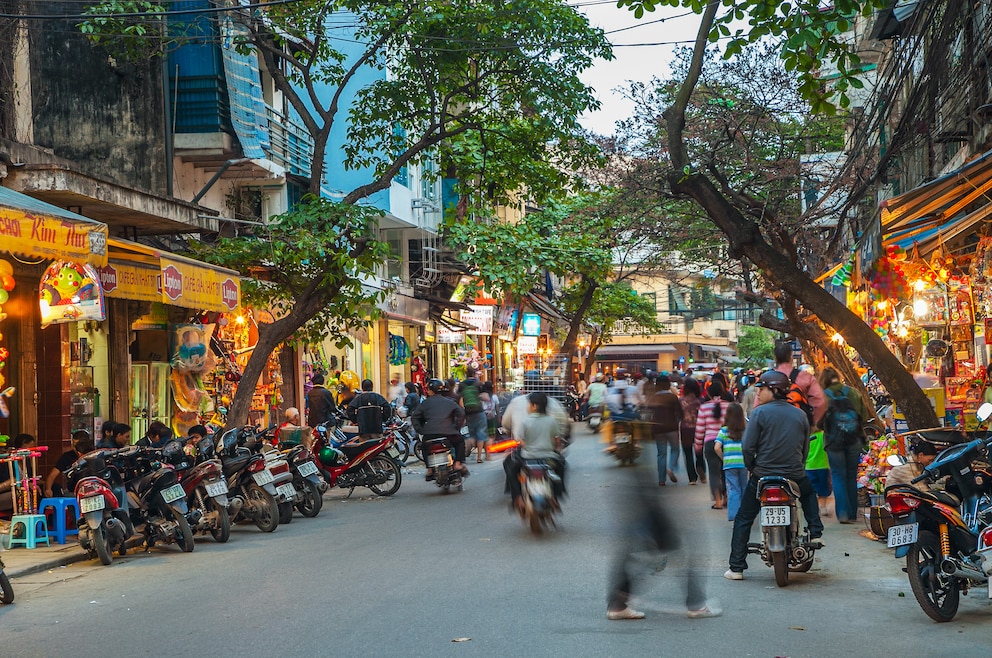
x=291, y=145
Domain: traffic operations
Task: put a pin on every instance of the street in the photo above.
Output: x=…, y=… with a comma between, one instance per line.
x=410, y=575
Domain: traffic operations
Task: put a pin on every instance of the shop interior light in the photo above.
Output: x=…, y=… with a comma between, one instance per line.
x=919, y=284
x=919, y=308
x=240, y=319
x=882, y=305
x=903, y=331
x=837, y=338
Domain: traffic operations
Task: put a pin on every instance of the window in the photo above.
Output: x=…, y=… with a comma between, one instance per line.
x=394, y=264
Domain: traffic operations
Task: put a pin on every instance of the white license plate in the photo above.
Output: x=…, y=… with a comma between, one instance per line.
x=393, y=452
x=776, y=515
x=216, y=488
x=92, y=504
x=262, y=478
x=287, y=490
x=539, y=487
x=437, y=459
x=621, y=438
x=900, y=535
x=307, y=469
x=173, y=493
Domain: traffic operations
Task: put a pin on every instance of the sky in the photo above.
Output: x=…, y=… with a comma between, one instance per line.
x=636, y=63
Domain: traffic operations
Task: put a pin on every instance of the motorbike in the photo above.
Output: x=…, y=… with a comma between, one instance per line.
x=250, y=488
x=6, y=591
x=437, y=455
x=369, y=464
x=103, y=519
x=573, y=404
x=539, y=486
x=206, y=492
x=156, y=500
x=946, y=537
x=624, y=444
x=784, y=548
x=595, y=419
x=307, y=481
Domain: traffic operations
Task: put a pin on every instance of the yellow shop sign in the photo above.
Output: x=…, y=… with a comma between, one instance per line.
x=195, y=285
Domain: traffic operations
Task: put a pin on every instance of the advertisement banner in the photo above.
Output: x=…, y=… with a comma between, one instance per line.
x=70, y=292
x=480, y=318
x=193, y=286
x=531, y=324
x=129, y=280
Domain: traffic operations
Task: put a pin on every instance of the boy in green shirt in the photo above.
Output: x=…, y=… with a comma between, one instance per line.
x=818, y=471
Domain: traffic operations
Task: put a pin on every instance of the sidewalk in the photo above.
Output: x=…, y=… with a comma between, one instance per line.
x=20, y=561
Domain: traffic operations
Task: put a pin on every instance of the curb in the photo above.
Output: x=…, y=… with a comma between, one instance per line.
x=45, y=565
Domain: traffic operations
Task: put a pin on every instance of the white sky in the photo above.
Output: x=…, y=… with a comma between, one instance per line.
x=640, y=63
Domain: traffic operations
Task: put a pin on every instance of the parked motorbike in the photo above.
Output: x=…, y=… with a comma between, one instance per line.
x=404, y=438
x=437, y=455
x=539, y=486
x=784, y=547
x=307, y=481
x=6, y=591
x=573, y=404
x=249, y=483
x=206, y=492
x=156, y=500
x=103, y=519
x=947, y=541
x=369, y=464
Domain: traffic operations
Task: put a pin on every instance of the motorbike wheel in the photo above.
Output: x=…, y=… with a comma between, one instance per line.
x=936, y=593
x=312, y=500
x=6, y=591
x=102, y=545
x=185, y=538
x=536, y=527
x=780, y=562
x=418, y=449
x=285, y=512
x=383, y=464
x=266, y=510
x=223, y=530
x=402, y=445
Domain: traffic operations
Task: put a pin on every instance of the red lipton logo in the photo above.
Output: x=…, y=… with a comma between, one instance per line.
x=172, y=282
x=229, y=294
x=108, y=278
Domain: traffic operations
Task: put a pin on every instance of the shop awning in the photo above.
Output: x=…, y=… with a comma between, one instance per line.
x=718, y=349
x=632, y=352
x=137, y=271
x=541, y=304
x=36, y=229
x=940, y=200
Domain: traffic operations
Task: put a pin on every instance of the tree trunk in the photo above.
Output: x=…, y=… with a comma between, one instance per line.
x=568, y=348
x=745, y=239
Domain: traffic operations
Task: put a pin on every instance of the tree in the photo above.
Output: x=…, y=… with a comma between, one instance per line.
x=484, y=86
x=755, y=346
x=807, y=36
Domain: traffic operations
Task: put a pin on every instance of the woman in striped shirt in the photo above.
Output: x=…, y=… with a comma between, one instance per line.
x=708, y=424
x=728, y=445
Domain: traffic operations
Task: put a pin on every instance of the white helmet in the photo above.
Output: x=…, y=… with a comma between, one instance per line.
x=599, y=376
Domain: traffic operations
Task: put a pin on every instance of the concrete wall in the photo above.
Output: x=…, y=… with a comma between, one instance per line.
x=104, y=115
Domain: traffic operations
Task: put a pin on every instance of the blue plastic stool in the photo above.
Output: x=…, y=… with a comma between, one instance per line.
x=60, y=506
x=30, y=523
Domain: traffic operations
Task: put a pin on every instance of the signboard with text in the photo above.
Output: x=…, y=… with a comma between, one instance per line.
x=531, y=324
x=480, y=318
x=527, y=345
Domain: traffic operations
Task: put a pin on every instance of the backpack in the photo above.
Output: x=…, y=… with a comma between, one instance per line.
x=471, y=397
x=842, y=426
x=797, y=397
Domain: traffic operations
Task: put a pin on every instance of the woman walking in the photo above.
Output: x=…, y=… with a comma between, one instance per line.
x=708, y=424
x=842, y=439
x=695, y=463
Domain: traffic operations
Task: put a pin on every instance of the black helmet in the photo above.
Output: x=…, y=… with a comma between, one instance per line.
x=435, y=385
x=775, y=380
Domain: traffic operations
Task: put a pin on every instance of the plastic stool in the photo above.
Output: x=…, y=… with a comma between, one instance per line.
x=30, y=523
x=60, y=506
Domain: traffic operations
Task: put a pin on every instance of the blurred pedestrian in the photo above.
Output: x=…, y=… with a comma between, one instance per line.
x=666, y=415
x=843, y=438
x=708, y=424
x=695, y=463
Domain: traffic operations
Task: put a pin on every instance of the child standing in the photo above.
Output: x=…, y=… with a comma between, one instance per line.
x=818, y=472
x=728, y=446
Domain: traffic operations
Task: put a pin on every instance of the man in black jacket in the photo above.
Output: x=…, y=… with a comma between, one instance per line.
x=320, y=401
x=368, y=410
x=439, y=416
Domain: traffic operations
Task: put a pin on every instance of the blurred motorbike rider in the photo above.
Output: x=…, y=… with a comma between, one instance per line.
x=775, y=443
x=440, y=417
x=595, y=394
x=540, y=439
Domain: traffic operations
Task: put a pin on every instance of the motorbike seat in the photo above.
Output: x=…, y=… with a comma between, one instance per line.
x=352, y=450
x=235, y=464
x=780, y=481
x=943, y=435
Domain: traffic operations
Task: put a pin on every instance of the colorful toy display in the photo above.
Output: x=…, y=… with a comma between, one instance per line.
x=69, y=292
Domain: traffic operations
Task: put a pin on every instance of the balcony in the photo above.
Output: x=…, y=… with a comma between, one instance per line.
x=290, y=145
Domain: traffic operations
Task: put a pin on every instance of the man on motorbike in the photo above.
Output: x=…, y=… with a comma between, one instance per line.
x=775, y=443
x=440, y=417
x=363, y=408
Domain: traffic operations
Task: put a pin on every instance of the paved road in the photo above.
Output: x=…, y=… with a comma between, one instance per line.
x=408, y=575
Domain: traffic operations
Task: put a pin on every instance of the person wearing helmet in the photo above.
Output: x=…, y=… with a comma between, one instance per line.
x=439, y=416
x=775, y=443
x=596, y=392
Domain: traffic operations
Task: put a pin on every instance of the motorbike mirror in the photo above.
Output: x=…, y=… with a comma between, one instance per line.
x=172, y=448
x=229, y=439
x=984, y=412
x=205, y=446
x=896, y=460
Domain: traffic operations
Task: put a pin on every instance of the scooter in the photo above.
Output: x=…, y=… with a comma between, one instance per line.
x=539, y=487
x=437, y=456
x=99, y=487
x=206, y=492
x=783, y=548
x=947, y=544
x=369, y=464
x=6, y=591
x=250, y=486
x=307, y=481
x=595, y=418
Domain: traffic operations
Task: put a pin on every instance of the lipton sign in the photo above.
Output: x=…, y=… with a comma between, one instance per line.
x=194, y=285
